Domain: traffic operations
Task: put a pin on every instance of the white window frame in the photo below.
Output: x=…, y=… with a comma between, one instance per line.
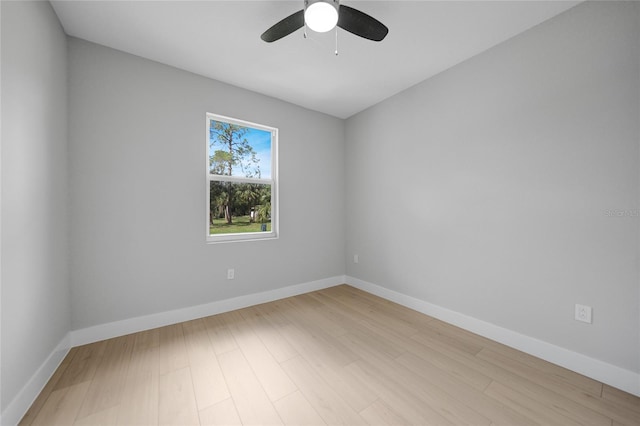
x=273, y=181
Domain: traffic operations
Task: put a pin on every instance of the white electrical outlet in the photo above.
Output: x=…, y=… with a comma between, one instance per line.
x=583, y=313
x=231, y=274
x=356, y=259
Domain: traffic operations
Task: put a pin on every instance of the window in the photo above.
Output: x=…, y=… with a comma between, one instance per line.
x=242, y=187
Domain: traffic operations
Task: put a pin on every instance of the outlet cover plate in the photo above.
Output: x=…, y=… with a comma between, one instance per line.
x=583, y=313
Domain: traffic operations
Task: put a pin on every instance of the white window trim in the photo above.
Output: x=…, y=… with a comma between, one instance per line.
x=275, y=207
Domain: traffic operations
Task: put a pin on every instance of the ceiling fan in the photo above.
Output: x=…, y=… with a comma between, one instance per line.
x=322, y=16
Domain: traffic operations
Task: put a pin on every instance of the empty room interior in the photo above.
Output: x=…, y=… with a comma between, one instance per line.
x=320, y=212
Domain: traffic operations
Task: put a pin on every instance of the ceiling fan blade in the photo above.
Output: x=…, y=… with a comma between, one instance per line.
x=285, y=27
x=361, y=24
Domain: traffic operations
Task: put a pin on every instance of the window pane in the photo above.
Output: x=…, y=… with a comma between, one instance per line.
x=239, y=207
x=236, y=150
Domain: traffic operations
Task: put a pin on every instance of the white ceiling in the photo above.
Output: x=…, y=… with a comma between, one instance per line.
x=221, y=40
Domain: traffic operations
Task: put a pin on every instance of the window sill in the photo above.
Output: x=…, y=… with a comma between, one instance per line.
x=248, y=236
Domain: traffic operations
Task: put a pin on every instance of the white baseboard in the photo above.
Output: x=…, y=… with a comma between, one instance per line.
x=28, y=394
x=147, y=322
x=620, y=378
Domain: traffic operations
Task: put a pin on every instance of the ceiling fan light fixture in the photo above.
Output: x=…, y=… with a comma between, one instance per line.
x=321, y=16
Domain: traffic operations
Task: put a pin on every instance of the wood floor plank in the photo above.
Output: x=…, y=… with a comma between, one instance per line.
x=309, y=339
x=460, y=370
x=267, y=321
x=415, y=318
x=146, y=339
x=366, y=309
x=331, y=370
x=307, y=301
x=62, y=406
x=139, y=404
x=445, y=406
x=295, y=410
x=561, y=403
x=350, y=389
x=219, y=334
x=108, y=417
x=173, y=352
x=395, y=395
x=277, y=345
x=105, y=390
x=252, y=402
x=222, y=413
x=387, y=341
x=491, y=409
x=530, y=408
x=209, y=384
x=378, y=336
x=622, y=398
x=329, y=405
x=379, y=413
x=275, y=312
x=547, y=369
x=342, y=292
x=176, y=400
x=303, y=313
x=451, y=339
x=460, y=333
x=577, y=394
x=84, y=365
x=268, y=371
x=550, y=370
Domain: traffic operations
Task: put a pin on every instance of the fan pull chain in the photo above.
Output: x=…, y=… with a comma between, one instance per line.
x=336, y=40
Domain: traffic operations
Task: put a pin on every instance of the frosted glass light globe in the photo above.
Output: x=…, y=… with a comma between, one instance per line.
x=321, y=17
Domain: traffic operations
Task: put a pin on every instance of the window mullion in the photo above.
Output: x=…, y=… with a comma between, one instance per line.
x=238, y=179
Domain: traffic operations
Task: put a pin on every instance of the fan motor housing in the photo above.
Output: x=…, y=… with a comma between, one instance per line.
x=334, y=3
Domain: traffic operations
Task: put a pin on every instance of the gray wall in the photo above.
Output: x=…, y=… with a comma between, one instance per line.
x=485, y=189
x=35, y=279
x=137, y=173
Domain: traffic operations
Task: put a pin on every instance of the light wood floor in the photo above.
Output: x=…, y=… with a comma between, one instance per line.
x=336, y=356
